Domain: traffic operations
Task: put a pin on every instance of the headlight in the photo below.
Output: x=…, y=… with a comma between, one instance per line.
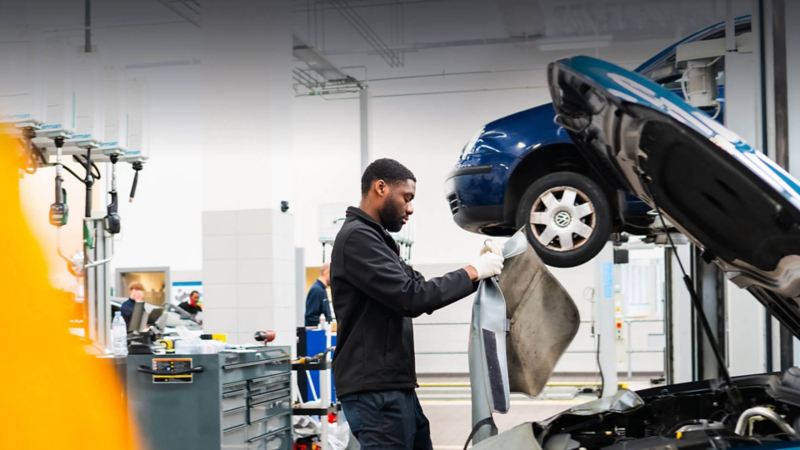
x=449, y=186
x=470, y=147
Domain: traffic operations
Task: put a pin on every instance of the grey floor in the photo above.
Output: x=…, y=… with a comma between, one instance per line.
x=446, y=402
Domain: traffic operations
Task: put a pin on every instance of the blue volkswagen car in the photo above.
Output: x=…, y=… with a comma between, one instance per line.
x=524, y=170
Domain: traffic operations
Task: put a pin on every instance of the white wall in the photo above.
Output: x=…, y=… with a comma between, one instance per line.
x=745, y=316
x=210, y=143
x=248, y=274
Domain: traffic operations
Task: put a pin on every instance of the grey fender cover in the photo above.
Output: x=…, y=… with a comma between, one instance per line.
x=520, y=437
x=543, y=316
x=521, y=325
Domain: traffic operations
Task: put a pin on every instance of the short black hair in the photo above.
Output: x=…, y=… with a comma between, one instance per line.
x=387, y=170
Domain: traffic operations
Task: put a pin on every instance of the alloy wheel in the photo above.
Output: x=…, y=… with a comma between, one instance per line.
x=563, y=218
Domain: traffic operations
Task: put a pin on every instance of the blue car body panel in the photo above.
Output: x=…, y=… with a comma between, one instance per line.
x=477, y=189
x=499, y=147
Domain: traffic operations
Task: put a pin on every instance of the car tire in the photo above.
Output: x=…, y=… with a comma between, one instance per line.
x=566, y=217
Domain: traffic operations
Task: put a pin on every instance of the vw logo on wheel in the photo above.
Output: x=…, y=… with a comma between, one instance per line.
x=562, y=219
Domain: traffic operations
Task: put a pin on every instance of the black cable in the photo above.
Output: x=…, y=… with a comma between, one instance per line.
x=34, y=155
x=72, y=172
x=80, y=159
x=600, y=368
x=481, y=423
x=641, y=227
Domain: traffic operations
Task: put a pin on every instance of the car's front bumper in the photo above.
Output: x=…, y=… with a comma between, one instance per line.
x=475, y=197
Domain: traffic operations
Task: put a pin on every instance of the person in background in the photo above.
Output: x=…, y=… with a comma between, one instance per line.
x=192, y=306
x=317, y=299
x=135, y=295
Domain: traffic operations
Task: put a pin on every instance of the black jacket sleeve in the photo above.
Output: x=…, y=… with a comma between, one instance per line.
x=371, y=266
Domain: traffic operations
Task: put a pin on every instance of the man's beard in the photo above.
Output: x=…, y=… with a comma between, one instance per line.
x=391, y=217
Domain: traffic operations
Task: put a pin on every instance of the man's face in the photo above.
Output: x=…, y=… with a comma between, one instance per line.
x=396, y=206
x=194, y=298
x=137, y=295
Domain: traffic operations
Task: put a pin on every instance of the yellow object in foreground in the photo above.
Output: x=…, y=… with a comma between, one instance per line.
x=54, y=395
x=221, y=337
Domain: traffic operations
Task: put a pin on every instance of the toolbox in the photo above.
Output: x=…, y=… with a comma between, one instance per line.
x=231, y=400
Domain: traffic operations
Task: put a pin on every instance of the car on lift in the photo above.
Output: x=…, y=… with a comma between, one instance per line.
x=523, y=170
x=739, y=208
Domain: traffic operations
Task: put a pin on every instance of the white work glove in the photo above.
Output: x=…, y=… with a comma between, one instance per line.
x=491, y=246
x=490, y=263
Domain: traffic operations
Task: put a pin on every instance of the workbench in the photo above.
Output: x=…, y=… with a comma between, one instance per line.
x=231, y=400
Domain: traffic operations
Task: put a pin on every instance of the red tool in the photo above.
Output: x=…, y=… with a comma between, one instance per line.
x=265, y=336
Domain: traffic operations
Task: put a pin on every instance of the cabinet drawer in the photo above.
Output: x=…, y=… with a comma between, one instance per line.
x=234, y=400
x=239, y=371
x=269, y=424
x=276, y=440
x=268, y=397
x=269, y=383
x=235, y=438
x=270, y=408
x=231, y=387
x=234, y=418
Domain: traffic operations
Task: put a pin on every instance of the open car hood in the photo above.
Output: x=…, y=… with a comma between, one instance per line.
x=728, y=198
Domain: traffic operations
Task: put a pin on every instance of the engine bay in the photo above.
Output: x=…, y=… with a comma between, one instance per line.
x=755, y=410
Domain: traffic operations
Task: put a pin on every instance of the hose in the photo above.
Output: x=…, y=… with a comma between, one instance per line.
x=766, y=413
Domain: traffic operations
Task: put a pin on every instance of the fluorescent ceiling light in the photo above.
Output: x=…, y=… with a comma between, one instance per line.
x=316, y=62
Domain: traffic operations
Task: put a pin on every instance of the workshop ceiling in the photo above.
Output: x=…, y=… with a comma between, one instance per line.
x=339, y=25
x=342, y=26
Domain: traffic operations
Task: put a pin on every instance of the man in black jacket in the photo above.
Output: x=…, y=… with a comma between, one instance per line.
x=375, y=295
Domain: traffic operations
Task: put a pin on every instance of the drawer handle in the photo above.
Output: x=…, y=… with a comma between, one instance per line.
x=145, y=369
x=269, y=379
x=268, y=388
x=279, y=394
x=282, y=412
x=234, y=394
x=256, y=363
x=236, y=428
x=234, y=411
x=268, y=435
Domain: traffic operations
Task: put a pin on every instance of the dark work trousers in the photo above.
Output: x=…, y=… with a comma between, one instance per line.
x=387, y=420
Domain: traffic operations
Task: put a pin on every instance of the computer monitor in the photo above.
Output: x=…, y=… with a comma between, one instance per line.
x=135, y=324
x=157, y=318
x=144, y=315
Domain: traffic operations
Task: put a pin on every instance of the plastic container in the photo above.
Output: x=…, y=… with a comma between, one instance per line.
x=119, y=335
x=189, y=346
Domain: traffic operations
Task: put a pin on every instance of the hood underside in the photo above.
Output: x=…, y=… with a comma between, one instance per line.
x=729, y=199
